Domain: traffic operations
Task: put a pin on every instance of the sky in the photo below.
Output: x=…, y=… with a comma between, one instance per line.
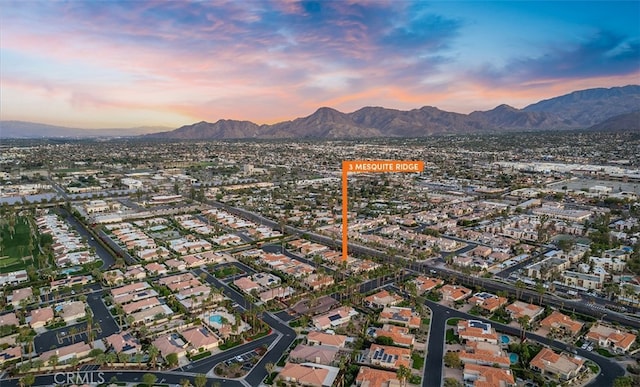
x=106, y=64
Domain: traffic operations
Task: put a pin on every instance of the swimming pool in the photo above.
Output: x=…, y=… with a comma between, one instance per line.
x=513, y=358
x=215, y=318
x=504, y=339
x=70, y=270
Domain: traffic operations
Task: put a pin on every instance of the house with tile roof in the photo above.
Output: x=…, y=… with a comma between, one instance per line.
x=402, y=316
x=484, y=353
x=334, y=318
x=475, y=330
x=453, y=293
x=77, y=350
x=387, y=356
x=381, y=299
x=399, y=335
x=200, y=338
x=427, y=284
x=41, y=317
x=520, y=309
x=327, y=339
x=123, y=342
x=247, y=285
x=482, y=376
x=607, y=337
x=308, y=374
x=10, y=319
x=562, y=366
x=171, y=343
x=372, y=377
x=9, y=354
x=487, y=301
x=319, y=354
x=559, y=321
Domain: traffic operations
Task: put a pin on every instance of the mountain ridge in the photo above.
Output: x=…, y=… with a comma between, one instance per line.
x=582, y=109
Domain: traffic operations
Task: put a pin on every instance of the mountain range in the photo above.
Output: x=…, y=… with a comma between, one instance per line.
x=603, y=109
x=22, y=129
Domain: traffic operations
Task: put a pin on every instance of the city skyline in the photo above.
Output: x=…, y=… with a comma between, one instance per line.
x=119, y=64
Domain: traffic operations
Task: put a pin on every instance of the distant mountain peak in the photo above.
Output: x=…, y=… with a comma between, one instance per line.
x=615, y=107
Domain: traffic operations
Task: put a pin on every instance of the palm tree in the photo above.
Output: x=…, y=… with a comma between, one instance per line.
x=27, y=380
x=524, y=324
x=519, y=286
x=124, y=357
x=138, y=358
x=541, y=290
x=38, y=363
x=53, y=361
x=153, y=355
x=200, y=380
x=111, y=358
x=101, y=359
x=269, y=367
x=403, y=374
x=185, y=383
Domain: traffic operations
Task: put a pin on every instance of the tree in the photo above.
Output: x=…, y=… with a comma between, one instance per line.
x=149, y=379
x=269, y=367
x=452, y=360
x=38, y=363
x=185, y=383
x=403, y=374
x=27, y=380
x=53, y=361
x=200, y=380
x=524, y=323
x=172, y=359
x=519, y=286
x=72, y=333
x=137, y=357
x=153, y=355
x=541, y=290
x=111, y=358
x=451, y=382
x=124, y=357
x=384, y=340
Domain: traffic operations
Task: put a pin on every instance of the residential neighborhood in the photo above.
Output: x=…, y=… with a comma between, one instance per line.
x=192, y=271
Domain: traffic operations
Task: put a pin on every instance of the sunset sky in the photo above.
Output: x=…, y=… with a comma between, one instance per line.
x=99, y=64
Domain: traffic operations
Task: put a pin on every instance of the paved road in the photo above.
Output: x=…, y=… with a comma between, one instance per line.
x=279, y=326
x=278, y=341
x=271, y=248
x=435, y=349
x=105, y=256
x=60, y=337
x=423, y=267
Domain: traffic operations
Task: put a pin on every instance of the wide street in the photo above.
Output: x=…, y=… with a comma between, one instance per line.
x=104, y=326
x=435, y=348
x=282, y=336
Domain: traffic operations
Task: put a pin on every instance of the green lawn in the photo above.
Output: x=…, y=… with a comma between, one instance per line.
x=227, y=271
x=452, y=338
x=418, y=361
x=14, y=247
x=604, y=352
x=453, y=321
